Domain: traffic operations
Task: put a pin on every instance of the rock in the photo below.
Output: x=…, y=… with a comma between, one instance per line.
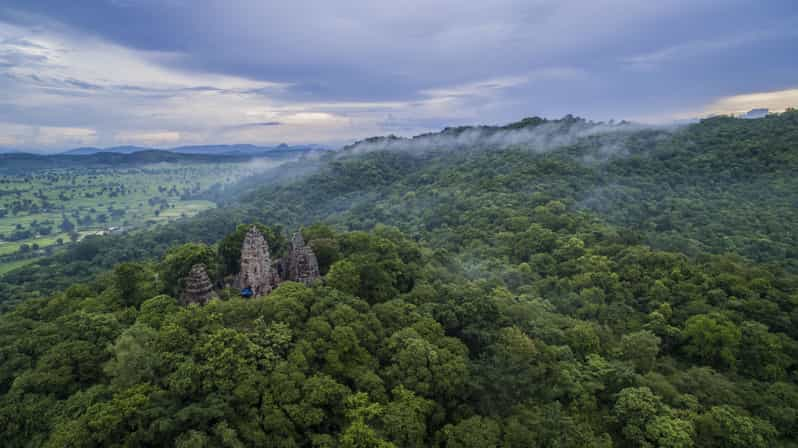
x=257, y=272
x=198, y=287
x=301, y=264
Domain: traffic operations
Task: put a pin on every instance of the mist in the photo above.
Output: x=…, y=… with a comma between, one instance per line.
x=539, y=138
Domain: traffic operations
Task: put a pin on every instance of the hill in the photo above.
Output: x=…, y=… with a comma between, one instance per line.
x=698, y=189
x=141, y=156
x=220, y=150
x=248, y=150
x=547, y=283
x=88, y=150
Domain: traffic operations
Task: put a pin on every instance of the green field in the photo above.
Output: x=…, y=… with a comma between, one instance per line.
x=43, y=210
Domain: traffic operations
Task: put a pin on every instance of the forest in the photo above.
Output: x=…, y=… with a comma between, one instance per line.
x=630, y=287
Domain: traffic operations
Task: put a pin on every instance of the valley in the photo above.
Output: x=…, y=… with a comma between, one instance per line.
x=44, y=210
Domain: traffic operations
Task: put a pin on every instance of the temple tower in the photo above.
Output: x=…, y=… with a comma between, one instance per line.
x=198, y=287
x=302, y=265
x=257, y=272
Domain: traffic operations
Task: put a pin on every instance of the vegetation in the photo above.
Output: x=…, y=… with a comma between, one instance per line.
x=472, y=298
x=44, y=210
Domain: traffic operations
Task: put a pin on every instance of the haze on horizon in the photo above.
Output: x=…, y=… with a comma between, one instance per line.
x=179, y=72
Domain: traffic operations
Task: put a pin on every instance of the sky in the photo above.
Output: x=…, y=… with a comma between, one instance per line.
x=165, y=73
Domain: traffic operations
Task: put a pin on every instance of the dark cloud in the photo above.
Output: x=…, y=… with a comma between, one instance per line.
x=360, y=50
x=255, y=125
x=445, y=61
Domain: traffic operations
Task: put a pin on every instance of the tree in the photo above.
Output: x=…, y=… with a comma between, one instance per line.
x=66, y=225
x=761, y=353
x=474, y=432
x=135, y=357
x=723, y=426
x=153, y=311
x=583, y=338
x=178, y=262
x=404, y=419
x=359, y=434
x=712, y=339
x=641, y=349
x=669, y=432
x=435, y=370
x=549, y=425
x=322, y=239
x=344, y=276
x=513, y=369
x=635, y=408
x=132, y=280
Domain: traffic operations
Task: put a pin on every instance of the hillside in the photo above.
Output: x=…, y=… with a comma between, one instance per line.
x=720, y=186
x=546, y=283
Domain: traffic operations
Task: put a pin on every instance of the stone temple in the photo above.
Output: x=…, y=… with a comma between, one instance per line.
x=198, y=287
x=301, y=264
x=257, y=272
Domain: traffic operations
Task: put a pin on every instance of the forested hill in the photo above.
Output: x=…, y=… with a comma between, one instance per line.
x=724, y=185
x=556, y=283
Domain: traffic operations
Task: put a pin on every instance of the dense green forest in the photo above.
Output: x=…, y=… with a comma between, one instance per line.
x=635, y=287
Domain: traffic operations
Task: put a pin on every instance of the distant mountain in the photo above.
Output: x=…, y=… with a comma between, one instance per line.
x=248, y=150
x=221, y=150
x=85, y=151
x=127, y=156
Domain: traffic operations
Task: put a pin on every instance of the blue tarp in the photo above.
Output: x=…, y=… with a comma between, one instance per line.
x=247, y=292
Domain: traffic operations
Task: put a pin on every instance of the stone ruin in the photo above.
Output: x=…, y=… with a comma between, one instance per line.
x=301, y=264
x=198, y=287
x=259, y=274
x=257, y=271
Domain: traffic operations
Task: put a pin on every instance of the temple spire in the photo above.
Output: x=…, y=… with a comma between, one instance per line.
x=257, y=272
x=302, y=265
x=198, y=287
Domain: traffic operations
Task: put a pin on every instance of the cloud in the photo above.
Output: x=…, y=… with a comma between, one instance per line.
x=330, y=72
x=50, y=135
x=696, y=48
x=476, y=88
x=74, y=136
x=149, y=138
x=776, y=101
x=540, y=138
x=257, y=125
x=8, y=140
x=33, y=137
x=491, y=86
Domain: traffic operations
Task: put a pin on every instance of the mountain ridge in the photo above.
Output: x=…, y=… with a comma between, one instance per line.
x=228, y=149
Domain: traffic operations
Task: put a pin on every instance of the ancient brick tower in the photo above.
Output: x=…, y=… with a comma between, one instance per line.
x=301, y=264
x=257, y=272
x=198, y=287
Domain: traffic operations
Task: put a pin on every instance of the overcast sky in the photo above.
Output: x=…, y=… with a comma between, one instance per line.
x=172, y=72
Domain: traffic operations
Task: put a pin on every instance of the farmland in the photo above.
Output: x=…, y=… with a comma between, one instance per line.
x=44, y=209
